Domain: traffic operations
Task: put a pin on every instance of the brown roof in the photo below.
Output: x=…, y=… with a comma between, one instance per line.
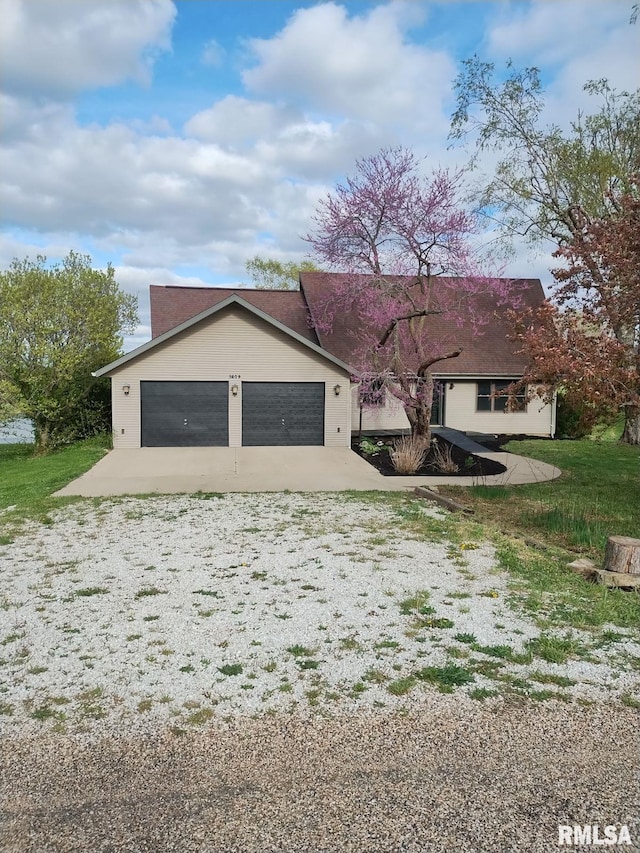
x=489, y=352
x=172, y=305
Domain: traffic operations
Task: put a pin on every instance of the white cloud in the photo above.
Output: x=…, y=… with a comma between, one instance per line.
x=360, y=66
x=60, y=48
x=286, y=140
x=24, y=119
x=555, y=32
x=212, y=54
x=100, y=180
x=236, y=121
x=572, y=42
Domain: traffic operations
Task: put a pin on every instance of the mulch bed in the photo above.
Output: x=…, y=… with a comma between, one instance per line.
x=468, y=464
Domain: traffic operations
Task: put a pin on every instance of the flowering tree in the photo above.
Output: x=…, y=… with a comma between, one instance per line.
x=589, y=341
x=394, y=233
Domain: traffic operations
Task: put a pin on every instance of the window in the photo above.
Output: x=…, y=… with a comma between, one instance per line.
x=491, y=400
x=372, y=393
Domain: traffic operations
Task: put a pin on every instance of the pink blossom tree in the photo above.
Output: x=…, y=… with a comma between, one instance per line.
x=395, y=234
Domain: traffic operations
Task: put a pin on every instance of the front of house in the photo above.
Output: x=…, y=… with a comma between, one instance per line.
x=239, y=367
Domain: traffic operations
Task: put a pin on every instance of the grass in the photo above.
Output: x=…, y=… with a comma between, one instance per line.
x=148, y=591
x=27, y=481
x=416, y=604
x=402, y=686
x=596, y=496
x=300, y=651
x=556, y=649
x=446, y=678
x=88, y=591
x=553, y=595
x=230, y=669
x=480, y=693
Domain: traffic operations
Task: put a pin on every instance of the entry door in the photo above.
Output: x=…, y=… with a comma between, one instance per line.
x=437, y=410
x=282, y=413
x=184, y=414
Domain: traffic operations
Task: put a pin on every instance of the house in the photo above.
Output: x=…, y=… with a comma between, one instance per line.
x=239, y=367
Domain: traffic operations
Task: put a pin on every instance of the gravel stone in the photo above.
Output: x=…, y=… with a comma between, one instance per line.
x=128, y=725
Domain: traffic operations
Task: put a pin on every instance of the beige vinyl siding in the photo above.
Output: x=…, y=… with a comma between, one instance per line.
x=233, y=346
x=461, y=413
x=389, y=416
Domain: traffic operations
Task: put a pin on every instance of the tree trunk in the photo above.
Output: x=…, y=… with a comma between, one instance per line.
x=622, y=555
x=420, y=422
x=42, y=431
x=631, y=434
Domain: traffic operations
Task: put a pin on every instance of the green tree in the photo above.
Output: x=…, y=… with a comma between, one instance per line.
x=58, y=323
x=269, y=274
x=547, y=183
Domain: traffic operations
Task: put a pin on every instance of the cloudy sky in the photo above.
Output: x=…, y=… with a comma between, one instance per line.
x=178, y=138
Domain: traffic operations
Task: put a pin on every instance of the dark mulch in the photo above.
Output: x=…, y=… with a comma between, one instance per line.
x=468, y=464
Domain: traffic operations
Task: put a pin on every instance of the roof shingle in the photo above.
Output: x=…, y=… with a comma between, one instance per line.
x=172, y=305
x=489, y=352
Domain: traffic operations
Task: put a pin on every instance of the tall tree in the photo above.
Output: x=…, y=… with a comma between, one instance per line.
x=58, y=324
x=588, y=343
x=556, y=186
x=269, y=274
x=394, y=233
x=547, y=183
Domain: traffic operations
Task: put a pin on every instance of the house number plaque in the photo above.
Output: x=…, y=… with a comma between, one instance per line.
x=235, y=376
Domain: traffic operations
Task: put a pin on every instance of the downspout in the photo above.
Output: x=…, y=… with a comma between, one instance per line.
x=553, y=414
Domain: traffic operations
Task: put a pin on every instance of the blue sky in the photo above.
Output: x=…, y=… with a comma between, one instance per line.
x=178, y=139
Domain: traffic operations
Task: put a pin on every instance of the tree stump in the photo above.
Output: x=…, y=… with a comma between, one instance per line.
x=622, y=555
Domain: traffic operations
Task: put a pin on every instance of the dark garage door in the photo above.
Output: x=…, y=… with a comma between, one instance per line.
x=184, y=414
x=282, y=413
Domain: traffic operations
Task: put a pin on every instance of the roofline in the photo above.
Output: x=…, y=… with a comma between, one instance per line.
x=234, y=299
x=505, y=374
x=234, y=287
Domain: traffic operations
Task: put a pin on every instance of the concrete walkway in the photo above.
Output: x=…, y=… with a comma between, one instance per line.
x=174, y=470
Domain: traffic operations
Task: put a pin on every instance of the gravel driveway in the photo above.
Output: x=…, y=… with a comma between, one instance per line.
x=247, y=645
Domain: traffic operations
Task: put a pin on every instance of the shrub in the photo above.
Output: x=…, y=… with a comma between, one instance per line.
x=407, y=455
x=572, y=419
x=442, y=459
x=369, y=447
x=576, y=418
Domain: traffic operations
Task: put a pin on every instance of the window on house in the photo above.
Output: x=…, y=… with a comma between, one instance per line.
x=490, y=399
x=372, y=392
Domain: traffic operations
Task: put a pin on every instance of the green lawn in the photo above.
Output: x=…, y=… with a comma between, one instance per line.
x=27, y=481
x=598, y=495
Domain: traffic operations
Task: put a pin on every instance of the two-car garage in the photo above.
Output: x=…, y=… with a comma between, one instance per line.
x=230, y=377
x=196, y=414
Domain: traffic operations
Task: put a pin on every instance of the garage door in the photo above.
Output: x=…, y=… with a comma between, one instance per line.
x=184, y=414
x=282, y=413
